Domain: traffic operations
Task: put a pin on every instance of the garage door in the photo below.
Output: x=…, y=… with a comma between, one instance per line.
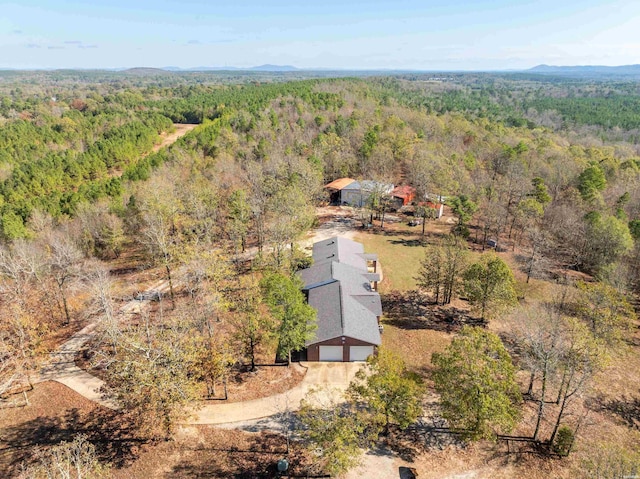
x=330, y=353
x=360, y=353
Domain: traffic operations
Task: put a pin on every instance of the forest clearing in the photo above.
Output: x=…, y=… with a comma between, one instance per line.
x=169, y=138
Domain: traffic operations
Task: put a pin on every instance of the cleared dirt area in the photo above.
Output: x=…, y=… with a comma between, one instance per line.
x=181, y=129
x=265, y=381
x=206, y=452
x=332, y=221
x=56, y=414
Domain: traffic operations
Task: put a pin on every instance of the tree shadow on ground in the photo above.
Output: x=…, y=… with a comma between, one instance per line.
x=407, y=242
x=632, y=341
x=625, y=408
x=394, y=232
x=416, y=233
x=414, y=310
x=407, y=473
x=253, y=458
x=279, y=421
x=113, y=437
x=523, y=267
x=420, y=437
x=514, y=346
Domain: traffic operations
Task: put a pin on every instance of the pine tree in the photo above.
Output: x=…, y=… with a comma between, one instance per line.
x=490, y=286
x=476, y=382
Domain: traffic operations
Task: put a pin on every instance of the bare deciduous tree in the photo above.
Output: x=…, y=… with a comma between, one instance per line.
x=64, y=261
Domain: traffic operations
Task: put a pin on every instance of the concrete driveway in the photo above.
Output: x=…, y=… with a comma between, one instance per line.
x=340, y=222
x=333, y=376
x=61, y=366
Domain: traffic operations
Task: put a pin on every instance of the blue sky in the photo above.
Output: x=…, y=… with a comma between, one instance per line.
x=402, y=34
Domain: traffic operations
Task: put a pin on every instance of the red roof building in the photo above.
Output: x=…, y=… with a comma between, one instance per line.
x=404, y=193
x=339, y=184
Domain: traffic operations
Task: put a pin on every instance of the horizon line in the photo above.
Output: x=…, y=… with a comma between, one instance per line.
x=276, y=68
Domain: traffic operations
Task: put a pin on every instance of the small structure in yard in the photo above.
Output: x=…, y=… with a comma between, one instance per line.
x=347, y=191
x=341, y=285
x=150, y=295
x=402, y=196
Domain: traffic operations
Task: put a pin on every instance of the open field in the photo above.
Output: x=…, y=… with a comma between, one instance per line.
x=399, y=249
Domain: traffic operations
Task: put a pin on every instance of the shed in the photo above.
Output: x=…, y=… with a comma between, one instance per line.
x=438, y=207
x=402, y=195
x=358, y=193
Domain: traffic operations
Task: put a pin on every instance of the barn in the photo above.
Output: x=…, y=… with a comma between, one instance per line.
x=335, y=189
x=341, y=285
x=357, y=193
x=347, y=191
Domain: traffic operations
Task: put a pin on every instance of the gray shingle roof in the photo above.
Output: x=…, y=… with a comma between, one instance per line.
x=317, y=274
x=326, y=300
x=338, y=287
x=339, y=250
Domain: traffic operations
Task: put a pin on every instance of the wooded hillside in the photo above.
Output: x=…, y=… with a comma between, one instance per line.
x=545, y=171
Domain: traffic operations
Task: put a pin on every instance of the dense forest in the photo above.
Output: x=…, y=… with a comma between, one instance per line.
x=545, y=167
x=485, y=137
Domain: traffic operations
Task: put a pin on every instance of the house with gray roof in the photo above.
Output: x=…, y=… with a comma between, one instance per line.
x=341, y=285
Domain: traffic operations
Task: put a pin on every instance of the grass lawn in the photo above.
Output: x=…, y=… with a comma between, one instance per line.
x=400, y=255
x=416, y=345
x=411, y=334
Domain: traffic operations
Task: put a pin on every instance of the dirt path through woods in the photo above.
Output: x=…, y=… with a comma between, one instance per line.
x=169, y=138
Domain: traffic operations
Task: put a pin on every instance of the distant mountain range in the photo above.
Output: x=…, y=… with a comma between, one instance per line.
x=260, y=68
x=584, y=72
x=571, y=71
x=587, y=70
x=145, y=71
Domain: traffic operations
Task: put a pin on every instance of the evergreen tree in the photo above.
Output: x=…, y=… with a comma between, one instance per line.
x=475, y=378
x=489, y=286
x=289, y=308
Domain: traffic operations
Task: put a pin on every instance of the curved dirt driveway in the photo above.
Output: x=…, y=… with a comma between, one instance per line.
x=332, y=376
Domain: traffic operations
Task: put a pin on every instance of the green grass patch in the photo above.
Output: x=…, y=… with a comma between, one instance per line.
x=400, y=256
